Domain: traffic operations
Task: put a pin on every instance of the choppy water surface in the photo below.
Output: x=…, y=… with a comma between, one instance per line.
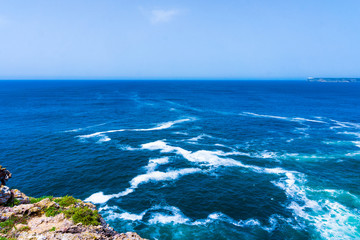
x=192, y=159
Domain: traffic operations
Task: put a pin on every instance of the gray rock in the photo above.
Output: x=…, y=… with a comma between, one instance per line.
x=5, y=194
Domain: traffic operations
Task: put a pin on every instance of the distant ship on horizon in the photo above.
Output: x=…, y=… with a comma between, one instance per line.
x=312, y=79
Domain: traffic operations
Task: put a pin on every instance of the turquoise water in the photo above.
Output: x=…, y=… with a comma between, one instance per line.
x=192, y=159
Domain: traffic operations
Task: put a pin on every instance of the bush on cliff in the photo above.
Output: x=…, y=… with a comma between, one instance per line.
x=83, y=215
x=66, y=201
x=52, y=211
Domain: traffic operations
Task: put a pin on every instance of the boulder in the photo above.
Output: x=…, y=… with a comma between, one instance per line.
x=45, y=203
x=21, y=197
x=5, y=194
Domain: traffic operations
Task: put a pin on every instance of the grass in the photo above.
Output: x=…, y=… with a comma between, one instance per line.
x=52, y=229
x=9, y=224
x=66, y=201
x=84, y=215
x=36, y=200
x=4, y=238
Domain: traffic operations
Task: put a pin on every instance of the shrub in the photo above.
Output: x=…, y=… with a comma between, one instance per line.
x=52, y=229
x=9, y=224
x=51, y=211
x=66, y=201
x=35, y=200
x=83, y=215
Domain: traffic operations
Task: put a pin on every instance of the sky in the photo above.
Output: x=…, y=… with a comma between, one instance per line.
x=187, y=39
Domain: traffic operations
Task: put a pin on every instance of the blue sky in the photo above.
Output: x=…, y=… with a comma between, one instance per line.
x=147, y=39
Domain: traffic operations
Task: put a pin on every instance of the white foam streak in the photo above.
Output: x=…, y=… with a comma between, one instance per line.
x=340, y=124
x=160, y=126
x=173, y=215
x=201, y=136
x=292, y=119
x=80, y=129
x=161, y=176
x=155, y=176
x=209, y=158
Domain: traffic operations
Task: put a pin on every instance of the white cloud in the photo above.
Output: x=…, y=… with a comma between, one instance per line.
x=159, y=16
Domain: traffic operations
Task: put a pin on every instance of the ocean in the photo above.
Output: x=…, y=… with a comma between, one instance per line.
x=192, y=159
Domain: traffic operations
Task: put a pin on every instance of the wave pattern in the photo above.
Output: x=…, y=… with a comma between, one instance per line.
x=196, y=160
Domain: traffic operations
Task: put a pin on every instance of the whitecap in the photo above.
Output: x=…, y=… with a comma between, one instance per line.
x=154, y=163
x=155, y=176
x=265, y=154
x=201, y=136
x=103, y=138
x=98, y=197
x=175, y=216
x=125, y=147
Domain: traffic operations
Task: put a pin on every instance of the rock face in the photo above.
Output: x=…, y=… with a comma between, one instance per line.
x=5, y=194
x=55, y=218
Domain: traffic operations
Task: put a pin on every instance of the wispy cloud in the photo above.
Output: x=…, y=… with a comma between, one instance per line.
x=160, y=15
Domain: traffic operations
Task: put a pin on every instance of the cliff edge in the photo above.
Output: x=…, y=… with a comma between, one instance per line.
x=23, y=217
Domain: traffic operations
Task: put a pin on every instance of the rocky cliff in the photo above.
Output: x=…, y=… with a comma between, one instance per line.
x=23, y=217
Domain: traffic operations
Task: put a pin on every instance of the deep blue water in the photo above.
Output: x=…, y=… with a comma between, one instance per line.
x=192, y=159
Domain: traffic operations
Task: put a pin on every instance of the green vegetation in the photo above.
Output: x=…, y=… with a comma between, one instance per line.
x=52, y=229
x=4, y=238
x=24, y=228
x=13, y=202
x=52, y=211
x=66, y=201
x=9, y=224
x=83, y=215
x=35, y=200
